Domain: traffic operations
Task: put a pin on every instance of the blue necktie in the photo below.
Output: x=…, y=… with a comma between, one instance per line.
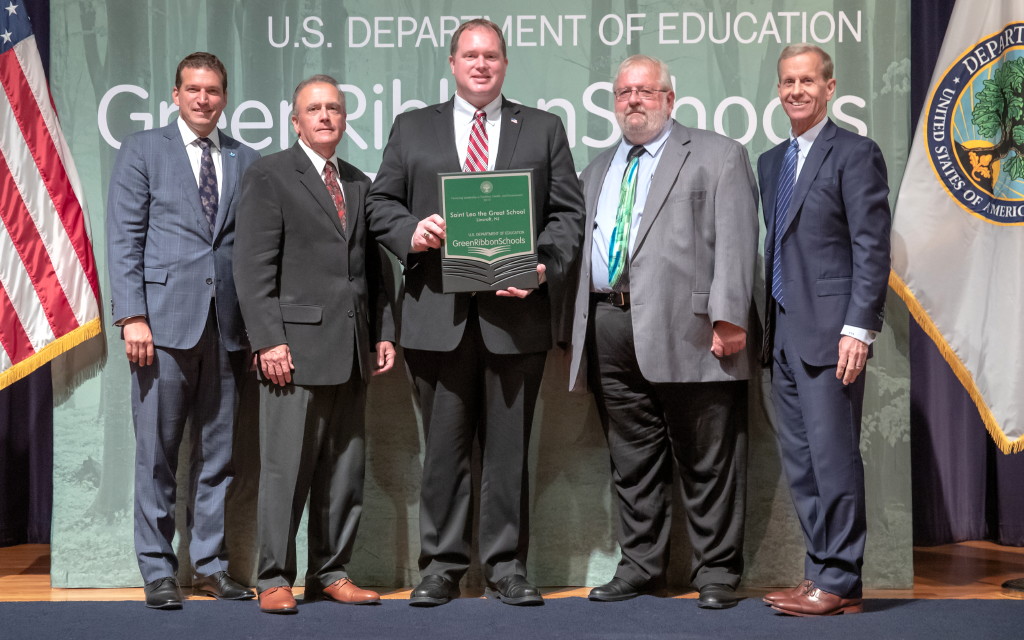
x=207, y=183
x=787, y=180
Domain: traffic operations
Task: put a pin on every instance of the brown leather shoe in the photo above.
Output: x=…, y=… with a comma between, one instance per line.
x=818, y=603
x=346, y=592
x=278, y=600
x=798, y=590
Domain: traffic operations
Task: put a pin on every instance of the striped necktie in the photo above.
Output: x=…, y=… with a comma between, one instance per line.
x=476, y=154
x=787, y=180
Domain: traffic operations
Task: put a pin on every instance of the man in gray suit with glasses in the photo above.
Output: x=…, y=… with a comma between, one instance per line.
x=660, y=326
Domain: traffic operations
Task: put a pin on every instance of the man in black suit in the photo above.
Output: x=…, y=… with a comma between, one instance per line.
x=476, y=360
x=307, y=282
x=827, y=221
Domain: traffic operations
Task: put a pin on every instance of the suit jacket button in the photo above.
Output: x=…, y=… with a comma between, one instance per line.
x=209, y=281
x=350, y=314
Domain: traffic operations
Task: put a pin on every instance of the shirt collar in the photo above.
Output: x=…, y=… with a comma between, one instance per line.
x=653, y=147
x=189, y=136
x=807, y=138
x=465, y=111
x=318, y=160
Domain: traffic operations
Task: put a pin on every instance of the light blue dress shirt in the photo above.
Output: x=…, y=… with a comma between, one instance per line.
x=608, y=204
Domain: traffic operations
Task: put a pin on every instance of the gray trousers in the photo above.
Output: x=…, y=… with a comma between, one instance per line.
x=198, y=387
x=311, y=445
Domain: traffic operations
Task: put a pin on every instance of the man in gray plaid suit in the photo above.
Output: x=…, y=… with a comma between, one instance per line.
x=170, y=236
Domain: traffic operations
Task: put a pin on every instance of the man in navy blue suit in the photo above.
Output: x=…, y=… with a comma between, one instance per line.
x=170, y=237
x=825, y=201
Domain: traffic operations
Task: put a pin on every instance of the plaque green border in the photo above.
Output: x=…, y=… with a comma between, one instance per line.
x=484, y=198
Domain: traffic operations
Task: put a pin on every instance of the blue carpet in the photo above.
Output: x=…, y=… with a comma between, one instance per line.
x=474, y=618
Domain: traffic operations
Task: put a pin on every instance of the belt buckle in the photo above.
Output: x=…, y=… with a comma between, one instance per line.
x=619, y=298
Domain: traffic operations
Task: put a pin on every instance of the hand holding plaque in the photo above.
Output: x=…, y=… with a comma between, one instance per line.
x=489, y=231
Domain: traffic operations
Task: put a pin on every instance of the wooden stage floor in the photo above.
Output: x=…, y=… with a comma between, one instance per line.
x=959, y=571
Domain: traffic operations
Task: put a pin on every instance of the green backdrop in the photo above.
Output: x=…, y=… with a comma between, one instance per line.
x=113, y=65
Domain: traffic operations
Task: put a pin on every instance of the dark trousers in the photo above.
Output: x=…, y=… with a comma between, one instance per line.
x=311, y=444
x=819, y=442
x=702, y=426
x=198, y=387
x=465, y=395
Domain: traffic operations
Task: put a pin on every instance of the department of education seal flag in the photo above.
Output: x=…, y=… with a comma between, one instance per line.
x=958, y=230
x=49, y=290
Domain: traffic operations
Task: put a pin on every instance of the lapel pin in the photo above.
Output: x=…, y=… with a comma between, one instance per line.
x=232, y=154
x=514, y=121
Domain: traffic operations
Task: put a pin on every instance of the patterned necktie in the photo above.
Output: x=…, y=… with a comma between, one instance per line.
x=787, y=180
x=207, y=183
x=618, y=245
x=331, y=180
x=476, y=153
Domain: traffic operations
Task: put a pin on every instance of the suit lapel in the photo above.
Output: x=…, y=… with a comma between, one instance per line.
x=313, y=183
x=444, y=129
x=229, y=176
x=181, y=166
x=673, y=156
x=770, y=181
x=819, y=151
x=592, y=196
x=353, y=209
x=510, y=128
x=594, y=186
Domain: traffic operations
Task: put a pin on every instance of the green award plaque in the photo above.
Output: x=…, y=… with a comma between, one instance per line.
x=489, y=235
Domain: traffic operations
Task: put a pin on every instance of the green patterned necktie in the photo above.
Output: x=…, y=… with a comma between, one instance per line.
x=618, y=245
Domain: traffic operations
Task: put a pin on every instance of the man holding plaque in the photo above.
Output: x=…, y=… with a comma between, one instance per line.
x=660, y=326
x=476, y=359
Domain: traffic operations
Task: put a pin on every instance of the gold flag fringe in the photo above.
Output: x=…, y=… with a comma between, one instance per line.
x=49, y=352
x=1005, y=445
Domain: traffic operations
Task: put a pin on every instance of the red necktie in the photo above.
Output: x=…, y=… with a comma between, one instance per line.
x=476, y=154
x=331, y=180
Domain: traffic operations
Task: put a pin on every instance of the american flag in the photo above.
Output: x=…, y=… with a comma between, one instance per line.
x=49, y=290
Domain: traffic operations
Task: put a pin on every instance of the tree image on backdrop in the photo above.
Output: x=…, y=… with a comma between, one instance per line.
x=999, y=115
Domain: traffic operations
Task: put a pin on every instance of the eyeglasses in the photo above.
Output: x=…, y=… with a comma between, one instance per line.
x=622, y=95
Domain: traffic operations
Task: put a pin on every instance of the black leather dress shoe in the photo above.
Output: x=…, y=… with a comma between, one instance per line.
x=163, y=593
x=717, y=596
x=221, y=586
x=515, y=589
x=432, y=591
x=615, y=590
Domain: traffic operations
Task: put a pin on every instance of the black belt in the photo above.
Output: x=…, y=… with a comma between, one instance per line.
x=614, y=298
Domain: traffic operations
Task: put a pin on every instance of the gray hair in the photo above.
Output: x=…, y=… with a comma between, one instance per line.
x=320, y=78
x=793, y=50
x=664, y=78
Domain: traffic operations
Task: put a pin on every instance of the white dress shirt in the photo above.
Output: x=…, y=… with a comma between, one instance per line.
x=319, y=162
x=195, y=152
x=463, y=114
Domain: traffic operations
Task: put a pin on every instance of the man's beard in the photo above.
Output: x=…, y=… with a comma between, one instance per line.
x=654, y=121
